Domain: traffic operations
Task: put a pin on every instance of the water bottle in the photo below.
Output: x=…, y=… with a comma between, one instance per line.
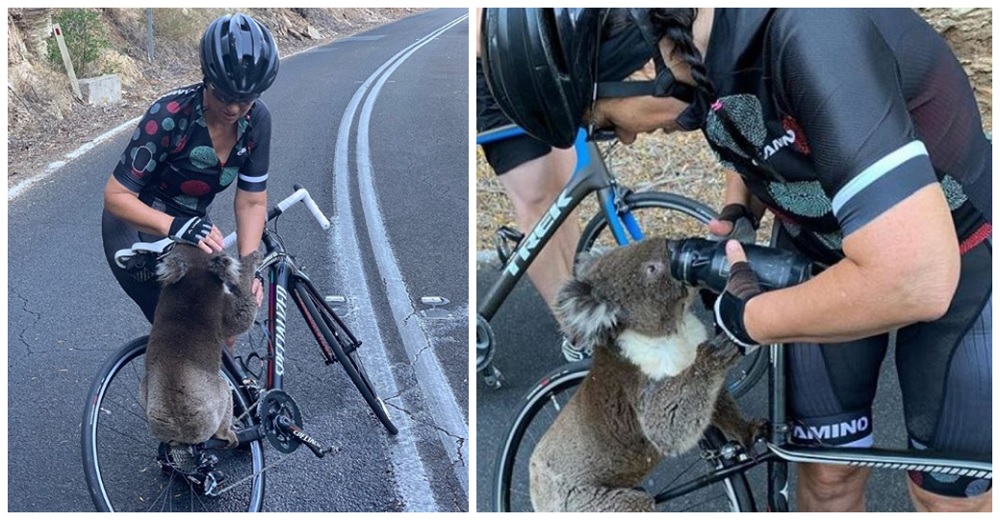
x=702, y=263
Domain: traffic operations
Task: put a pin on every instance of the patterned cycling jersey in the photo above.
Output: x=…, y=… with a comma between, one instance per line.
x=172, y=164
x=837, y=115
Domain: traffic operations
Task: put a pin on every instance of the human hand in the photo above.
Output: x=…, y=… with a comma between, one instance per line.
x=741, y=287
x=196, y=231
x=735, y=221
x=214, y=240
x=257, y=289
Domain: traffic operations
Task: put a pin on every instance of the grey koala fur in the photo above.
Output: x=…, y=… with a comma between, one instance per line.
x=654, y=386
x=204, y=300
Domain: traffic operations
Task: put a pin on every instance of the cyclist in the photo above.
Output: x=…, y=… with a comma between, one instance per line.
x=190, y=145
x=533, y=174
x=859, y=130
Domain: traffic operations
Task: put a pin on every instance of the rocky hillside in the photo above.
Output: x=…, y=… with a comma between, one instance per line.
x=970, y=34
x=44, y=121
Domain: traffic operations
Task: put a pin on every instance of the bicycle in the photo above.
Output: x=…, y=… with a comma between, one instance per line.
x=625, y=216
x=121, y=460
x=713, y=478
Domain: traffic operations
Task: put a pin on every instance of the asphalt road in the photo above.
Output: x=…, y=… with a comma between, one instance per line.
x=528, y=349
x=375, y=126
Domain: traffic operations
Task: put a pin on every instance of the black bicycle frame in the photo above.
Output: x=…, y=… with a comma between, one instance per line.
x=591, y=175
x=279, y=275
x=287, y=283
x=781, y=452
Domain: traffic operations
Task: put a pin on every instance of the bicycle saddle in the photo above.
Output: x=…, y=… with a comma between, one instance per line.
x=122, y=256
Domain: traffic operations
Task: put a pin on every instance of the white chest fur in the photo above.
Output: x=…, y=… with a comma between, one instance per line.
x=664, y=356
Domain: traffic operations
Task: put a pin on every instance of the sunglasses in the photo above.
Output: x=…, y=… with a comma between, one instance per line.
x=227, y=99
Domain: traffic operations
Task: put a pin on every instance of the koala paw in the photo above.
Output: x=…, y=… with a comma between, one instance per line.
x=253, y=259
x=228, y=435
x=722, y=349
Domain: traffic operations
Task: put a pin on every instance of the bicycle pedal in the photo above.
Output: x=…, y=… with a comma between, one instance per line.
x=209, y=483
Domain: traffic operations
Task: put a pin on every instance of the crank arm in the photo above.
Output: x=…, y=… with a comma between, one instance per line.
x=287, y=426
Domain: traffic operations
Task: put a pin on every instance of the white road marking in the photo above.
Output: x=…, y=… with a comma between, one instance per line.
x=436, y=389
x=411, y=475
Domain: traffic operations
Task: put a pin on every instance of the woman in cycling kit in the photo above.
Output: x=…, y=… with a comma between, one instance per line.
x=859, y=130
x=190, y=145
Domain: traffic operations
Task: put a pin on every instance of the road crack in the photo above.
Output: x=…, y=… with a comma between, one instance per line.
x=36, y=318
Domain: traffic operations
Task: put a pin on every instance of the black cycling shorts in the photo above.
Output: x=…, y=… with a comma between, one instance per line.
x=507, y=154
x=945, y=375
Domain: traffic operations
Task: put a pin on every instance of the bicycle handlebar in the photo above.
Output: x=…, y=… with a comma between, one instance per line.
x=122, y=256
x=300, y=195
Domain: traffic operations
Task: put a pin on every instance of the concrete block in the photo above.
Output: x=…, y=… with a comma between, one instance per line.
x=102, y=90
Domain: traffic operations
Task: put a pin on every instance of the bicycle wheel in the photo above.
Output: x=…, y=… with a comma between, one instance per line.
x=343, y=348
x=539, y=409
x=673, y=216
x=120, y=455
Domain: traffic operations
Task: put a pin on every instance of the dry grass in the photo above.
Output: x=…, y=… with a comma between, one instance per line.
x=678, y=163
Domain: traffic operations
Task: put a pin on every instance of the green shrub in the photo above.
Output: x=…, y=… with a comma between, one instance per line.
x=85, y=39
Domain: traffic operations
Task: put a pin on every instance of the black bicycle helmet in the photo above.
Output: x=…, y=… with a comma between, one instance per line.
x=541, y=67
x=239, y=56
x=545, y=67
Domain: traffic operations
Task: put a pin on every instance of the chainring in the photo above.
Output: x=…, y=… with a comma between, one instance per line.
x=274, y=404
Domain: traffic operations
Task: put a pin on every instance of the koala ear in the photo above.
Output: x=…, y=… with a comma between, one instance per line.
x=585, y=261
x=586, y=317
x=171, y=269
x=225, y=268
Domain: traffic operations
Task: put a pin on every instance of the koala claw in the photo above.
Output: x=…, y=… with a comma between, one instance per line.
x=756, y=430
x=723, y=349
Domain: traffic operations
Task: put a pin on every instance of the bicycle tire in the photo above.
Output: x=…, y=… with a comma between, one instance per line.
x=532, y=419
x=696, y=216
x=335, y=333
x=115, y=476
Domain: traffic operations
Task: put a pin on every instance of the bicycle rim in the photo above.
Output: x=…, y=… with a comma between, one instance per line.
x=673, y=216
x=536, y=414
x=657, y=214
x=336, y=335
x=119, y=453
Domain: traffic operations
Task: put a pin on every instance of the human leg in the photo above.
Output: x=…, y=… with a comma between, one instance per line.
x=924, y=501
x=533, y=174
x=826, y=487
x=945, y=372
x=830, y=398
x=143, y=288
x=532, y=187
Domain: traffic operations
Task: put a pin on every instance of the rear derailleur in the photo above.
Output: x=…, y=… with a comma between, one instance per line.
x=197, y=466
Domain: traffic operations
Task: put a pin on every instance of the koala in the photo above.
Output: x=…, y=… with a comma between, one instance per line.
x=204, y=299
x=655, y=384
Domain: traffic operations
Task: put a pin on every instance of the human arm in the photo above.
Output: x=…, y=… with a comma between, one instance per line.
x=251, y=215
x=250, y=203
x=899, y=269
x=125, y=204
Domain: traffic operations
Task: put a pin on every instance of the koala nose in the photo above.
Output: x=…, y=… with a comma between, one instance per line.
x=654, y=268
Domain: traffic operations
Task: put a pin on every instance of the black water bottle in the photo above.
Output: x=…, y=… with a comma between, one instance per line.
x=702, y=263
